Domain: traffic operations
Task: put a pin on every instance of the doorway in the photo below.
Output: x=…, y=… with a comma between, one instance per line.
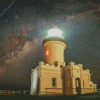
x=78, y=88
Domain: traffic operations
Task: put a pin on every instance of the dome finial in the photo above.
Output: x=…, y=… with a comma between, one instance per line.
x=54, y=26
x=55, y=32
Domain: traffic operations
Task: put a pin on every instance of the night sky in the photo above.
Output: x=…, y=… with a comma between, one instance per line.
x=24, y=25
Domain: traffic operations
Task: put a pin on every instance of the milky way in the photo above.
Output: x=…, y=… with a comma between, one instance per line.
x=23, y=29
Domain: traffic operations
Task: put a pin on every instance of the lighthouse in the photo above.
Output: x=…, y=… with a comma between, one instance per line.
x=54, y=46
x=53, y=77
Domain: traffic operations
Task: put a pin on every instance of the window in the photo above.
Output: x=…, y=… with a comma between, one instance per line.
x=56, y=64
x=53, y=81
x=61, y=66
x=47, y=52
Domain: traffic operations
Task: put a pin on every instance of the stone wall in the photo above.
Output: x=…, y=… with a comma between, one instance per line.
x=73, y=72
x=46, y=73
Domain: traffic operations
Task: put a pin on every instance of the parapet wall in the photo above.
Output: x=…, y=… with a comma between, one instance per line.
x=72, y=65
x=78, y=67
x=47, y=66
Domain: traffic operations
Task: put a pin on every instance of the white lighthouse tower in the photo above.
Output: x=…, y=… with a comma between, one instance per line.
x=54, y=46
x=53, y=76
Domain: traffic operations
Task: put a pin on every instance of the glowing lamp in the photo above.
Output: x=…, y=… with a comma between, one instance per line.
x=55, y=32
x=47, y=52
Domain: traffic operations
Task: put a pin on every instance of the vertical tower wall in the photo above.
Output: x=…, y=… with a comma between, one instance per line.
x=34, y=81
x=56, y=51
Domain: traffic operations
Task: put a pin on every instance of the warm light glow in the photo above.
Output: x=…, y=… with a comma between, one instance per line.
x=47, y=52
x=55, y=32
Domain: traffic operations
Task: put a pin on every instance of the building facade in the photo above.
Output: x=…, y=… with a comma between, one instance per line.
x=53, y=77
